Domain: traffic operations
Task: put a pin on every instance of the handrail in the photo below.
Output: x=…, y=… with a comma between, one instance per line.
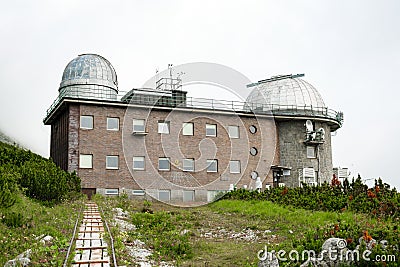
x=165, y=99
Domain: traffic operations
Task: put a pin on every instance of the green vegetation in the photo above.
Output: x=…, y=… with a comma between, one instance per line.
x=36, y=199
x=379, y=201
x=36, y=176
x=231, y=231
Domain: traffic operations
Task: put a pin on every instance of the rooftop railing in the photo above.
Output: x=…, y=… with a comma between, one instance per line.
x=165, y=99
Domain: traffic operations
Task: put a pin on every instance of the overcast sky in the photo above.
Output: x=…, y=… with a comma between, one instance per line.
x=349, y=50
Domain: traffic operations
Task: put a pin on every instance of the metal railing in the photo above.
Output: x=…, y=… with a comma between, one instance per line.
x=165, y=99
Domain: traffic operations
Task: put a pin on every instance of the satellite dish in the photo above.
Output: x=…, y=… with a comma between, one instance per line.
x=309, y=126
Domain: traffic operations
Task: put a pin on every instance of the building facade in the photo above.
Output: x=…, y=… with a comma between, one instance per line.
x=162, y=143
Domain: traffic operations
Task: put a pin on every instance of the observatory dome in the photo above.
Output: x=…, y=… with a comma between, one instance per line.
x=89, y=76
x=286, y=91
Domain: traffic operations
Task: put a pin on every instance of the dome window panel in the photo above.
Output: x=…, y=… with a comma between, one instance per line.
x=113, y=124
x=233, y=131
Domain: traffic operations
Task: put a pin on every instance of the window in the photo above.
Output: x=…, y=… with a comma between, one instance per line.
x=86, y=122
x=85, y=161
x=310, y=152
x=233, y=131
x=187, y=128
x=253, y=129
x=253, y=151
x=188, y=195
x=138, y=126
x=113, y=124
x=188, y=165
x=138, y=192
x=112, y=162
x=163, y=164
x=164, y=195
x=138, y=163
x=111, y=191
x=212, y=165
x=211, y=130
x=163, y=127
x=234, y=166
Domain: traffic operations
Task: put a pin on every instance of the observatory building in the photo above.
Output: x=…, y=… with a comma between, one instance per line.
x=178, y=149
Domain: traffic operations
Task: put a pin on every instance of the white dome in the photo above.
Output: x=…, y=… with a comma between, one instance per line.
x=287, y=91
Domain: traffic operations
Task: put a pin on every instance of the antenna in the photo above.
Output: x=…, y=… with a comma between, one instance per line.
x=309, y=126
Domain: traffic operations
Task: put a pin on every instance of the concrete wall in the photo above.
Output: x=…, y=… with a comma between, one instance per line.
x=293, y=151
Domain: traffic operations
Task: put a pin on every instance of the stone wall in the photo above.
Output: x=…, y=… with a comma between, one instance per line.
x=293, y=151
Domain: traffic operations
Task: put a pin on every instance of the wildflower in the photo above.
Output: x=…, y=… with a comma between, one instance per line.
x=349, y=240
x=366, y=236
x=336, y=227
x=351, y=197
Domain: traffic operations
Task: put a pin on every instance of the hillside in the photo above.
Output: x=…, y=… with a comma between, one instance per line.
x=6, y=139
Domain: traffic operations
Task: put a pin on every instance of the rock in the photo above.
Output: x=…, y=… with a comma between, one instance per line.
x=384, y=244
x=290, y=231
x=18, y=262
x=47, y=240
x=269, y=259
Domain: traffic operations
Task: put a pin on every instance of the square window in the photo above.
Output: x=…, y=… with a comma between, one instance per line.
x=163, y=164
x=111, y=191
x=234, y=166
x=164, y=195
x=163, y=127
x=188, y=195
x=86, y=122
x=112, y=162
x=233, y=131
x=310, y=152
x=187, y=128
x=138, y=125
x=211, y=130
x=212, y=165
x=113, y=124
x=188, y=165
x=138, y=163
x=85, y=161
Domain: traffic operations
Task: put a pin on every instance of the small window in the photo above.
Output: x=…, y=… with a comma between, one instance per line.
x=188, y=195
x=138, y=192
x=187, y=128
x=234, y=166
x=233, y=131
x=212, y=165
x=85, y=161
x=113, y=124
x=188, y=165
x=164, y=164
x=211, y=130
x=163, y=127
x=253, y=129
x=111, y=191
x=138, y=163
x=310, y=152
x=86, y=122
x=253, y=151
x=112, y=162
x=254, y=175
x=138, y=126
x=164, y=195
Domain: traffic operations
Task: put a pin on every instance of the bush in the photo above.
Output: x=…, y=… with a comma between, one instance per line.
x=8, y=187
x=38, y=177
x=380, y=201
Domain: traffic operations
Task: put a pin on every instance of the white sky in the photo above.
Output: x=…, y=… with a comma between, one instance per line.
x=349, y=50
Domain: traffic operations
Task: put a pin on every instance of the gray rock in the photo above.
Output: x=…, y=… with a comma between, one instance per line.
x=270, y=260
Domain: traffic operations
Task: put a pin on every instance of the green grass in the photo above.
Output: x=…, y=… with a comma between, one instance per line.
x=36, y=220
x=288, y=228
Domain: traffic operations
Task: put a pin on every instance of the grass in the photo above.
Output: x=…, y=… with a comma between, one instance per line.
x=280, y=227
x=28, y=220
